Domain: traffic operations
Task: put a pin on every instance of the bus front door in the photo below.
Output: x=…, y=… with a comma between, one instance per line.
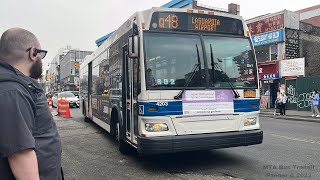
x=130, y=99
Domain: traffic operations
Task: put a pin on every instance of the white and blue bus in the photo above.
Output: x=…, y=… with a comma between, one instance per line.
x=172, y=80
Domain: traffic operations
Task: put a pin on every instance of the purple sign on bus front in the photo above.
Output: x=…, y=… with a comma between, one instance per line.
x=207, y=102
x=207, y=96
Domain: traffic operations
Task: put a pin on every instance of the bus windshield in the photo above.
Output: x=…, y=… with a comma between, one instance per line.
x=170, y=60
x=231, y=60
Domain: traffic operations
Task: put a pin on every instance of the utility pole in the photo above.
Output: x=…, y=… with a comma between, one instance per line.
x=76, y=67
x=75, y=62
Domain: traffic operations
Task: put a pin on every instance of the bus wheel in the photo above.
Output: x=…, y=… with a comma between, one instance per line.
x=86, y=119
x=124, y=147
x=113, y=126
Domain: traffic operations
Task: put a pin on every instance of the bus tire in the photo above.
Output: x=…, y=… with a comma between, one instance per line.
x=124, y=147
x=113, y=124
x=86, y=119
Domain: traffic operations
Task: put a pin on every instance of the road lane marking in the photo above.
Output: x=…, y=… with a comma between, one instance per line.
x=296, y=139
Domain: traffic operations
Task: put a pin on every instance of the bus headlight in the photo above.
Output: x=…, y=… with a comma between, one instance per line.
x=250, y=121
x=156, y=127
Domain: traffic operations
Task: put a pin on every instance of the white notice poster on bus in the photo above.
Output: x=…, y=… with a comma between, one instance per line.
x=207, y=102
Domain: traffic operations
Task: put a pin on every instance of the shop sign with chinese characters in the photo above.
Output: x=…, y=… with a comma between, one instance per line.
x=268, y=38
x=270, y=76
x=265, y=25
x=293, y=67
x=268, y=71
x=292, y=43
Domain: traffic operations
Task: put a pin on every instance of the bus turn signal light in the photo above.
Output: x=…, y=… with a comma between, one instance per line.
x=152, y=109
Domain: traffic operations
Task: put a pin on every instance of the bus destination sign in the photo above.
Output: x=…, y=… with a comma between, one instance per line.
x=180, y=21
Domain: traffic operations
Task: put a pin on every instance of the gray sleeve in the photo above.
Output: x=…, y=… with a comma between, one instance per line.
x=16, y=123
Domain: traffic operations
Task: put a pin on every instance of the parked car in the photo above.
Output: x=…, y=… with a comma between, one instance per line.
x=51, y=93
x=70, y=97
x=76, y=93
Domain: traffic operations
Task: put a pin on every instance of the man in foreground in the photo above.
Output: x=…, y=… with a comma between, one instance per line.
x=30, y=146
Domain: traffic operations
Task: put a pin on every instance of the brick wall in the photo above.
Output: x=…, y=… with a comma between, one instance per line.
x=310, y=49
x=314, y=21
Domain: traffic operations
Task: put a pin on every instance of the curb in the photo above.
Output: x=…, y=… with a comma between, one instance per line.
x=290, y=118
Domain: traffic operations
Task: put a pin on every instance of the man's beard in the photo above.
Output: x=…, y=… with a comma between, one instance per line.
x=36, y=69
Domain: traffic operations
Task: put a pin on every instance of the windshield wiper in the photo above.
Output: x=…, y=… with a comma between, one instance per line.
x=236, y=93
x=193, y=72
x=213, y=64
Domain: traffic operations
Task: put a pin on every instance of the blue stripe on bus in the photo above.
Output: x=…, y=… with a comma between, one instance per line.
x=175, y=107
x=246, y=105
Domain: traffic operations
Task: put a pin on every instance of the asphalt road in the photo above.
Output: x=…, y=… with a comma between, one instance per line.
x=291, y=150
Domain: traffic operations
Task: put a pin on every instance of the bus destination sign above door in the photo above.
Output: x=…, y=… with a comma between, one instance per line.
x=187, y=22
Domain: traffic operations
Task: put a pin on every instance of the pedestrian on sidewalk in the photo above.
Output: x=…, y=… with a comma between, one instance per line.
x=281, y=102
x=315, y=103
x=30, y=146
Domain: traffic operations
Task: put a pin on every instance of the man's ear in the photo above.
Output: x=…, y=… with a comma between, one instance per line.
x=33, y=54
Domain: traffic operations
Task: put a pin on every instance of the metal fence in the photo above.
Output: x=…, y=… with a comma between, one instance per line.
x=299, y=90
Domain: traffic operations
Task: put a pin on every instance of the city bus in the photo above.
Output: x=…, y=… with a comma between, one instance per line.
x=173, y=80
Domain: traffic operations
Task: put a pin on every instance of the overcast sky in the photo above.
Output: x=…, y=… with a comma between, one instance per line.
x=78, y=23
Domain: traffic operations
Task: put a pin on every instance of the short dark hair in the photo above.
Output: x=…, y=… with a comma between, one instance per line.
x=16, y=39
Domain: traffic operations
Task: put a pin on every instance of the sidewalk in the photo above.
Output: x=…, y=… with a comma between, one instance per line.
x=291, y=115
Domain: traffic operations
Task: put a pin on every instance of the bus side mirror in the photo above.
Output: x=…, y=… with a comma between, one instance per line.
x=135, y=29
x=133, y=45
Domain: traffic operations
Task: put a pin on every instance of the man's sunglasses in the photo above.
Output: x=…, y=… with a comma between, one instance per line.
x=42, y=53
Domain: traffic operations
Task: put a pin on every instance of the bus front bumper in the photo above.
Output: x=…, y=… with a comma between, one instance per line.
x=173, y=144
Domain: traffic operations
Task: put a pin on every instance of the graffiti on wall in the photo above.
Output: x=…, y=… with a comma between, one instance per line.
x=300, y=100
x=291, y=95
x=303, y=100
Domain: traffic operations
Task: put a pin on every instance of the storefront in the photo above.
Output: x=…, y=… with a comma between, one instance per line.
x=268, y=48
x=269, y=82
x=268, y=38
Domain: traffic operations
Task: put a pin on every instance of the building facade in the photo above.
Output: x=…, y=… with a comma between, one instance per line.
x=69, y=69
x=53, y=73
x=287, y=48
x=271, y=46
x=310, y=38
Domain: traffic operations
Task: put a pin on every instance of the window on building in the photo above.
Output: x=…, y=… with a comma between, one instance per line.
x=262, y=53
x=266, y=53
x=274, y=52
